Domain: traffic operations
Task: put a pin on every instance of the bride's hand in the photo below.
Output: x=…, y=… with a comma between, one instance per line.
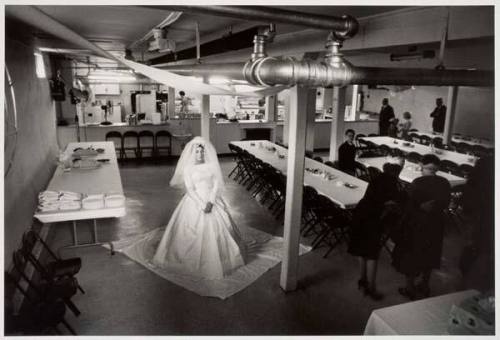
x=208, y=207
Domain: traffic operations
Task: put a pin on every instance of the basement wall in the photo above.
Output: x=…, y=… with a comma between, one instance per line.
x=36, y=152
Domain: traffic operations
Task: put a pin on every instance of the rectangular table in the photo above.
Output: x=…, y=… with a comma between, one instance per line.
x=334, y=189
x=103, y=180
x=409, y=172
x=456, y=139
x=455, y=157
x=423, y=317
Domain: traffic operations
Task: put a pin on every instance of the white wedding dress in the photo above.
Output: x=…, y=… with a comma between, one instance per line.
x=197, y=243
x=204, y=252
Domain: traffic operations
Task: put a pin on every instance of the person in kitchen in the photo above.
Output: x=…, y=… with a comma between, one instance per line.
x=185, y=102
x=386, y=114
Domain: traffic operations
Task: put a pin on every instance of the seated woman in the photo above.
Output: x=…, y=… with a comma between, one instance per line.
x=347, y=154
x=418, y=247
x=374, y=215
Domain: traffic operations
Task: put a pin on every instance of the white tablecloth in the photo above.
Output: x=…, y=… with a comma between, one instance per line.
x=456, y=157
x=409, y=172
x=334, y=189
x=456, y=139
x=423, y=317
x=103, y=180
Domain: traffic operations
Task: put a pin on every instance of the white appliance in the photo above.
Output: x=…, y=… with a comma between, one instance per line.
x=146, y=103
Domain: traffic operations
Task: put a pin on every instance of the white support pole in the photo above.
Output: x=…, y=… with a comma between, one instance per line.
x=271, y=109
x=354, y=102
x=205, y=114
x=294, y=187
x=451, y=105
x=337, y=129
x=311, y=117
x=171, y=102
x=286, y=119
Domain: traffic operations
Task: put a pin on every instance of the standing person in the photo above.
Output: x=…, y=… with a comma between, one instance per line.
x=420, y=241
x=184, y=104
x=392, y=130
x=386, y=114
x=201, y=238
x=477, y=261
x=347, y=153
x=405, y=126
x=439, y=116
x=375, y=214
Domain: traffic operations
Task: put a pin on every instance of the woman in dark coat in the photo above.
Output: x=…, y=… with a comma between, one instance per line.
x=418, y=247
x=374, y=214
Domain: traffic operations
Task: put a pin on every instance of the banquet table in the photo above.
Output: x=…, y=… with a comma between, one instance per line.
x=102, y=180
x=408, y=147
x=335, y=188
x=410, y=170
x=457, y=139
x=423, y=317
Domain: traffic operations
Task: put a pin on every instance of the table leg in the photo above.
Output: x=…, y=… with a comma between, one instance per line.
x=75, y=237
x=95, y=231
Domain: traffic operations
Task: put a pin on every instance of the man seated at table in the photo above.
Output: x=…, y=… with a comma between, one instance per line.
x=347, y=154
x=419, y=242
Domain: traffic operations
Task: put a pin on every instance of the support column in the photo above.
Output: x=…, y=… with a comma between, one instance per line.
x=451, y=106
x=271, y=108
x=294, y=187
x=311, y=117
x=205, y=114
x=286, y=119
x=355, y=103
x=171, y=103
x=337, y=129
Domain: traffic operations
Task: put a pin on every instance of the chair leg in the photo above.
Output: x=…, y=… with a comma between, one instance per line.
x=72, y=307
x=68, y=326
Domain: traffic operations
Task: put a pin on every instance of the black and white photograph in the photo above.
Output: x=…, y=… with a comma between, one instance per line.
x=181, y=168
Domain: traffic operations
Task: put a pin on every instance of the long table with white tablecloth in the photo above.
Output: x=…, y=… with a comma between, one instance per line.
x=457, y=139
x=410, y=170
x=103, y=180
x=424, y=317
x=408, y=147
x=334, y=187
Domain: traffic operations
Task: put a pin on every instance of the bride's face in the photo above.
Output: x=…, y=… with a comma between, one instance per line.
x=199, y=154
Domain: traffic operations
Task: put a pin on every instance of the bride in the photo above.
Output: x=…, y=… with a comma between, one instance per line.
x=200, y=239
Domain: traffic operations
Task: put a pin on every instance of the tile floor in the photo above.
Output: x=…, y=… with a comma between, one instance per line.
x=124, y=298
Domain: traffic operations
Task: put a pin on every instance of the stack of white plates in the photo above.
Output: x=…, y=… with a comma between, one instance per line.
x=93, y=202
x=114, y=200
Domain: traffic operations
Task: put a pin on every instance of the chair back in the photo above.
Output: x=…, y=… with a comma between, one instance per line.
x=130, y=139
x=146, y=138
x=373, y=173
x=115, y=137
x=425, y=140
x=448, y=166
x=414, y=157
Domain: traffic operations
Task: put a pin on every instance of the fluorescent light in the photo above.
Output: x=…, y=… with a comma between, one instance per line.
x=218, y=80
x=115, y=78
x=39, y=65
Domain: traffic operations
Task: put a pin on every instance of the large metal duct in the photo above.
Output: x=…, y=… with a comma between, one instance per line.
x=344, y=27
x=39, y=19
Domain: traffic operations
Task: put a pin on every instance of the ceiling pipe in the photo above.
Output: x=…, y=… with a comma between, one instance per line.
x=345, y=27
x=288, y=71
x=39, y=19
x=334, y=70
